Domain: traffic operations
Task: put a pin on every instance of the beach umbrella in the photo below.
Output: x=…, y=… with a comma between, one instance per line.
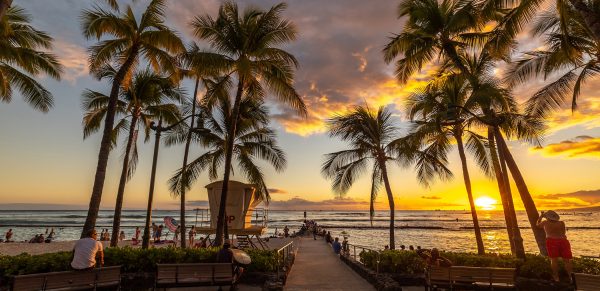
x=241, y=257
x=171, y=223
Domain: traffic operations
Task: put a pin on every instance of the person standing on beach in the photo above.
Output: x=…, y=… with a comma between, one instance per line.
x=191, y=235
x=556, y=242
x=8, y=235
x=137, y=233
x=85, y=252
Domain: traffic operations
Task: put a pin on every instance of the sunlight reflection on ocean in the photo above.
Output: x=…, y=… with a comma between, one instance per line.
x=447, y=230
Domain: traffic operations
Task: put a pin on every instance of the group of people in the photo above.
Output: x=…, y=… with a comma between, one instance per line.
x=46, y=237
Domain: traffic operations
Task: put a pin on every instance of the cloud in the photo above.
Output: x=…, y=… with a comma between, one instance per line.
x=298, y=203
x=431, y=197
x=580, y=147
x=277, y=191
x=583, y=198
x=74, y=59
x=197, y=203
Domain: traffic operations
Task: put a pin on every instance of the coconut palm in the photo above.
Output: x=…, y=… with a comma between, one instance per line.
x=148, y=96
x=253, y=140
x=124, y=40
x=21, y=58
x=570, y=50
x=373, y=137
x=4, y=5
x=429, y=108
x=500, y=115
x=247, y=47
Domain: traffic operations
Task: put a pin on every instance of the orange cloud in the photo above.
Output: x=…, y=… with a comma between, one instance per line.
x=579, y=147
x=569, y=200
x=74, y=59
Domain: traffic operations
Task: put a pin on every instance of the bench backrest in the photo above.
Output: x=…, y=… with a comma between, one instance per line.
x=585, y=282
x=483, y=274
x=203, y=272
x=109, y=276
x=435, y=273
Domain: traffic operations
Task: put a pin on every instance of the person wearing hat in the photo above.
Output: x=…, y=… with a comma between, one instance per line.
x=557, y=244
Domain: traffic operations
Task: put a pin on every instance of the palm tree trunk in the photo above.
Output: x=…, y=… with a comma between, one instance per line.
x=186, y=152
x=390, y=196
x=506, y=204
x=221, y=221
x=4, y=5
x=105, y=144
x=146, y=236
x=517, y=238
x=591, y=18
x=123, y=180
x=530, y=208
x=465, y=170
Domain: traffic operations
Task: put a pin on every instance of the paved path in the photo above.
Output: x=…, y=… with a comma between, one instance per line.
x=318, y=268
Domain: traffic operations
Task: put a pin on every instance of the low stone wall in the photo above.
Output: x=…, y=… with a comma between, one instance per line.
x=382, y=282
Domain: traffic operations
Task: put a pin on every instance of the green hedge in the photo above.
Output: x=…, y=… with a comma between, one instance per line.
x=534, y=266
x=133, y=260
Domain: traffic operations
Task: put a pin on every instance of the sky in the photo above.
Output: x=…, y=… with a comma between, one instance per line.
x=45, y=160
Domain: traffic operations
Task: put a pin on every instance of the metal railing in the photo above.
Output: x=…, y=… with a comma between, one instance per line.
x=284, y=255
x=354, y=251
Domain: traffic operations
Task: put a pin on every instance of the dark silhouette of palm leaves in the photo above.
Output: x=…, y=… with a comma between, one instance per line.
x=22, y=59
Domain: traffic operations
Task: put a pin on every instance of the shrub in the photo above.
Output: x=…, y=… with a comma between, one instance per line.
x=409, y=263
x=133, y=260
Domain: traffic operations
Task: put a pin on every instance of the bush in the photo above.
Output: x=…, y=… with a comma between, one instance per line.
x=409, y=263
x=133, y=260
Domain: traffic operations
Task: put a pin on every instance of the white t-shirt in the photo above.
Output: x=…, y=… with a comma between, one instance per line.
x=85, y=253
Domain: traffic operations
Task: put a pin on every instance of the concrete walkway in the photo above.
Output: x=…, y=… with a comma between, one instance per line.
x=318, y=268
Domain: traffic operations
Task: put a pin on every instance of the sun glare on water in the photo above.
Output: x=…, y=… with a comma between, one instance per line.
x=485, y=203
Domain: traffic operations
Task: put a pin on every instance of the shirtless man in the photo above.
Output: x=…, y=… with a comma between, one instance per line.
x=556, y=242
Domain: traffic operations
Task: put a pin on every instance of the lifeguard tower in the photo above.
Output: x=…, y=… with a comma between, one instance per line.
x=241, y=208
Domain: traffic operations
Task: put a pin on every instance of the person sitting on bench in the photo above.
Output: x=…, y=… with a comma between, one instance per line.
x=225, y=255
x=432, y=258
x=85, y=252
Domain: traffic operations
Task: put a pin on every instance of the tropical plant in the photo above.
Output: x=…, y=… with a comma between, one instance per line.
x=21, y=58
x=571, y=49
x=247, y=47
x=429, y=110
x=128, y=39
x=147, y=97
x=253, y=140
x=501, y=116
x=4, y=5
x=373, y=137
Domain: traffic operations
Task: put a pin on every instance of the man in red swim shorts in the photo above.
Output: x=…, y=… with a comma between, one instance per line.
x=556, y=241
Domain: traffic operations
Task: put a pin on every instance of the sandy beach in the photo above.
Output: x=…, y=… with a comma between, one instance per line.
x=16, y=248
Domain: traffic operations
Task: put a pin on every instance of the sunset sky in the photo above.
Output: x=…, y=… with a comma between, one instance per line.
x=44, y=158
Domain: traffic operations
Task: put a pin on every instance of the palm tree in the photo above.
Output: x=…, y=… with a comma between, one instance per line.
x=4, y=6
x=253, y=140
x=373, y=137
x=246, y=47
x=146, y=97
x=128, y=39
x=21, y=59
x=436, y=128
x=571, y=49
x=500, y=114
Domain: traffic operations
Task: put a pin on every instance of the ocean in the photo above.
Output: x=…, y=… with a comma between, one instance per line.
x=446, y=230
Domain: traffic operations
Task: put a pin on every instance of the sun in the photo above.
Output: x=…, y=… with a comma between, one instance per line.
x=486, y=203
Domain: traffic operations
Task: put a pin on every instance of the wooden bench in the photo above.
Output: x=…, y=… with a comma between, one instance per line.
x=108, y=277
x=585, y=282
x=193, y=275
x=462, y=277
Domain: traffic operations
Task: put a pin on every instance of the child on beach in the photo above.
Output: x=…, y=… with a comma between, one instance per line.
x=122, y=236
x=556, y=242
